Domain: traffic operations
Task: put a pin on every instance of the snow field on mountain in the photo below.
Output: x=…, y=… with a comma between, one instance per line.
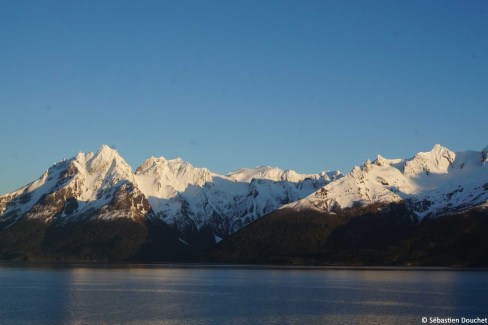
x=432, y=183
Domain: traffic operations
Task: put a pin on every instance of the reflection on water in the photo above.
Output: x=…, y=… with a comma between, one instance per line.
x=53, y=294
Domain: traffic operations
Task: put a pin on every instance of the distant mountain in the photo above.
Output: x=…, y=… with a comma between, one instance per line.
x=427, y=210
x=93, y=206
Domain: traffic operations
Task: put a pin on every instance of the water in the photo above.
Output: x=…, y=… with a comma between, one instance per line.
x=84, y=294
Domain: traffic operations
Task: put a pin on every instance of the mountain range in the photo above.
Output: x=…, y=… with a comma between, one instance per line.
x=387, y=211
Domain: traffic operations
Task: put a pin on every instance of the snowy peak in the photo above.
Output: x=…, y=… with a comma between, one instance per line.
x=247, y=174
x=431, y=183
x=94, y=173
x=364, y=185
x=24, y=199
x=189, y=197
x=104, y=159
x=156, y=174
x=150, y=163
x=99, y=185
x=274, y=174
x=103, y=185
x=436, y=161
x=381, y=161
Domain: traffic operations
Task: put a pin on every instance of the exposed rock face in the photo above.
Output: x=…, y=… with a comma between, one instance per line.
x=484, y=155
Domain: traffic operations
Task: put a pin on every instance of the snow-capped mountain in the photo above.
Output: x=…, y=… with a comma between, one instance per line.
x=191, y=198
x=90, y=185
x=431, y=210
x=103, y=186
x=93, y=206
x=431, y=183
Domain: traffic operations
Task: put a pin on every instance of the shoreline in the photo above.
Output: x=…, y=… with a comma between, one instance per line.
x=172, y=265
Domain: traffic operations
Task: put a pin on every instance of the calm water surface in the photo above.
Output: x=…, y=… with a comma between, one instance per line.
x=84, y=294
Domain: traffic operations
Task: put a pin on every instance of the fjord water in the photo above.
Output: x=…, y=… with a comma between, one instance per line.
x=145, y=294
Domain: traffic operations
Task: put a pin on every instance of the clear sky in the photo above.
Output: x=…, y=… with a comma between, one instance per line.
x=304, y=85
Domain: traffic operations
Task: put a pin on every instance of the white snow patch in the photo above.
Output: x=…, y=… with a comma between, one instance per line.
x=183, y=241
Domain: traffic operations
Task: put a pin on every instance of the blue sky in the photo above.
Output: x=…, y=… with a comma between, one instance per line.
x=304, y=85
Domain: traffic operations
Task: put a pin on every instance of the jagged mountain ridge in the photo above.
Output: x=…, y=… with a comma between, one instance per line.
x=93, y=206
x=103, y=186
x=186, y=196
x=431, y=184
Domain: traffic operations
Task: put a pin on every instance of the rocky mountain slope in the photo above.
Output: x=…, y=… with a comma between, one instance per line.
x=87, y=186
